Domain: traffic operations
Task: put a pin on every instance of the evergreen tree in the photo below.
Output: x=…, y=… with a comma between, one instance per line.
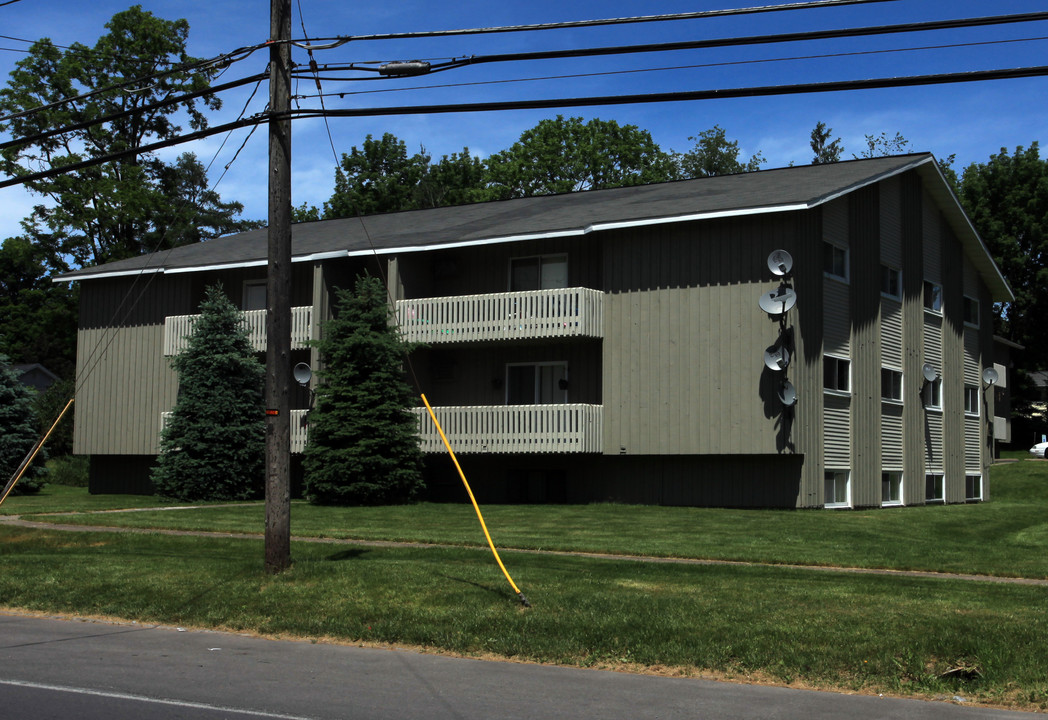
x=824, y=149
x=213, y=447
x=18, y=432
x=363, y=442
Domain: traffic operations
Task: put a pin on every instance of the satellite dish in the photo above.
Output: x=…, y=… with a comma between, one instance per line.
x=303, y=373
x=778, y=301
x=777, y=358
x=990, y=376
x=788, y=394
x=929, y=372
x=780, y=262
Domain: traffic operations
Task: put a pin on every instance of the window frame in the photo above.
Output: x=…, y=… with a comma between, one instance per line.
x=264, y=284
x=541, y=257
x=971, y=310
x=829, y=252
x=939, y=479
x=972, y=409
x=891, y=272
x=968, y=482
x=938, y=294
x=895, y=373
x=835, y=473
x=893, y=478
x=932, y=391
x=836, y=390
x=536, y=388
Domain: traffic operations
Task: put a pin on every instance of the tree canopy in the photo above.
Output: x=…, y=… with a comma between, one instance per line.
x=18, y=432
x=363, y=442
x=213, y=446
x=124, y=207
x=713, y=154
x=566, y=155
x=825, y=150
x=1007, y=200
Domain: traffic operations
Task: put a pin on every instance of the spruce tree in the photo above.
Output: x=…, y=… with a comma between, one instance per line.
x=363, y=444
x=213, y=446
x=18, y=432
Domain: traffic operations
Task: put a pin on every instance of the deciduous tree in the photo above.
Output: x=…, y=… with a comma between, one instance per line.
x=713, y=154
x=124, y=207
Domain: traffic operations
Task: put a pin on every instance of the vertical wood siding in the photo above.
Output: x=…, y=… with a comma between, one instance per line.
x=891, y=222
x=685, y=338
x=125, y=382
x=932, y=246
x=913, y=415
x=953, y=366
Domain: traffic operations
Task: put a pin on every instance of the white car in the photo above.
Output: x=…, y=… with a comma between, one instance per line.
x=1039, y=449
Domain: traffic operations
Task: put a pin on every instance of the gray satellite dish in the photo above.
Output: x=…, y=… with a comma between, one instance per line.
x=788, y=394
x=780, y=262
x=303, y=373
x=777, y=358
x=991, y=376
x=778, y=301
x=929, y=372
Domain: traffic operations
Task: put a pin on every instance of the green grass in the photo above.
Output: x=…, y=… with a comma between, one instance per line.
x=870, y=633
x=1007, y=536
x=863, y=633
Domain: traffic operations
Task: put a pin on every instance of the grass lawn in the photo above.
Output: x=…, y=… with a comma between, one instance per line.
x=1007, y=537
x=934, y=637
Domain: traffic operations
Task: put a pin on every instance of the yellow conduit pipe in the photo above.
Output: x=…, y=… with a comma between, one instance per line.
x=476, y=507
x=29, y=458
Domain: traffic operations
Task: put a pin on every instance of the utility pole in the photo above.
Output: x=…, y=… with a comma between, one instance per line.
x=278, y=294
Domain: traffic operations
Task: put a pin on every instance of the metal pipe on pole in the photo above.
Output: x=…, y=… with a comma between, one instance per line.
x=278, y=294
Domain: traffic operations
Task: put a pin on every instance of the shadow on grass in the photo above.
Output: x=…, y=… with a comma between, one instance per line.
x=351, y=554
x=499, y=593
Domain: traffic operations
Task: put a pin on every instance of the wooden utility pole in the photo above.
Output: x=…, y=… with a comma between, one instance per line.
x=278, y=293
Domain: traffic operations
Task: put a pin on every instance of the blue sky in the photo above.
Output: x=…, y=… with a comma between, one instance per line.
x=971, y=121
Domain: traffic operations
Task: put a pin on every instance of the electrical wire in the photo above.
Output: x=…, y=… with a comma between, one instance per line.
x=729, y=63
x=814, y=35
x=699, y=14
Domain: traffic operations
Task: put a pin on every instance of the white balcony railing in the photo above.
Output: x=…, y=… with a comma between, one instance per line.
x=298, y=428
x=514, y=429
x=565, y=312
x=178, y=327
x=494, y=429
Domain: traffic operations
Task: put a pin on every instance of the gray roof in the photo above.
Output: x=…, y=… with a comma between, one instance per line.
x=777, y=190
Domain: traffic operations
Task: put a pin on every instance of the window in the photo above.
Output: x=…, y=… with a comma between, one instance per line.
x=835, y=261
x=971, y=311
x=254, y=295
x=540, y=272
x=537, y=383
x=835, y=372
x=971, y=400
x=891, y=385
x=933, y=488
x=932, y=297
x=973, y=487
x=891, y=284
x=891, y=488
x=836, y=489
x=932, y=394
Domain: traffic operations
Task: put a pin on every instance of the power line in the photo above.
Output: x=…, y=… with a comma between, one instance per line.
x=679, y=96
x=727, y=42
x=728, y=63
x=595, y=23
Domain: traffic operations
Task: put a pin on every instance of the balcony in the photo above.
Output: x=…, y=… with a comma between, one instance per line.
x=298, y=428
x=514, y=429
x=178, y=327
x=563, y=312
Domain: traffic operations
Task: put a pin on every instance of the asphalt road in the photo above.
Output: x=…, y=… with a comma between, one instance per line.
x=62, y=668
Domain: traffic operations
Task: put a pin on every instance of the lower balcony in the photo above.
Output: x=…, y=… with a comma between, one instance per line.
x=177, y=328
x=500, y=429
x=573, y=428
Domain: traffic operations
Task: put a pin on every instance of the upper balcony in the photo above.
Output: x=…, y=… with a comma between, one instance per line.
x=562, y=312
x=568, y=428
x=178, y=327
